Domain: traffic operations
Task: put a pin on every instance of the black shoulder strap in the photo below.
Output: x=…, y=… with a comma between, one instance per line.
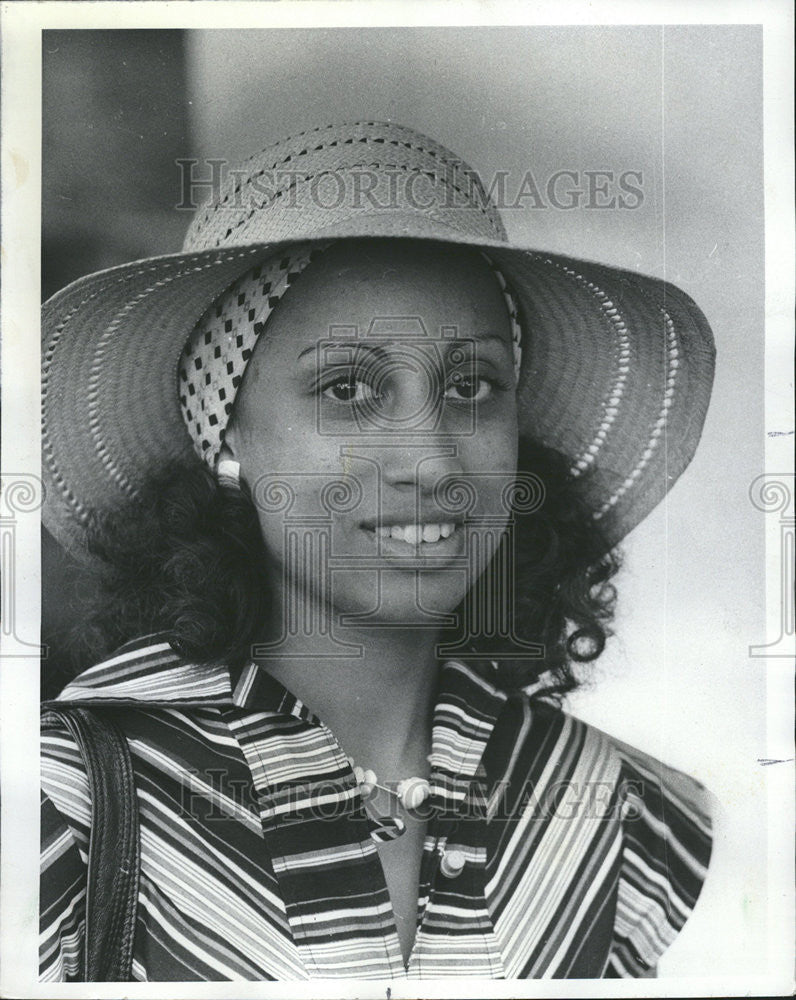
x=114, y=845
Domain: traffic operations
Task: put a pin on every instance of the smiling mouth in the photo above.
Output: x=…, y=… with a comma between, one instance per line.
x=416, y=534
x=438, y=538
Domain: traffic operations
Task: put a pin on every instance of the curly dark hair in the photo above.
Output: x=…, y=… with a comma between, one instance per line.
x=188, y=561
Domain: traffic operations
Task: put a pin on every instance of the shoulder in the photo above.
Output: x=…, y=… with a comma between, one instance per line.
x=571, y=747
x=663, y=796
x=64, y=773
x=667, y=826
x=666, y=819
x=658, y=818
x=64, y=778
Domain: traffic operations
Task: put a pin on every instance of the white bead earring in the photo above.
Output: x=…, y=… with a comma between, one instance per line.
x=228, y=473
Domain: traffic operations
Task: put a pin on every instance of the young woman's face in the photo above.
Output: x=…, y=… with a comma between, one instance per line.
x=389, y=369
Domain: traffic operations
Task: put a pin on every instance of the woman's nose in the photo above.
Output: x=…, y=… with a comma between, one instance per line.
x=419, y=465
x=420, y=446
x=409, y=397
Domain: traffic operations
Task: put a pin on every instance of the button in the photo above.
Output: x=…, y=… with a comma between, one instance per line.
x=452, y=863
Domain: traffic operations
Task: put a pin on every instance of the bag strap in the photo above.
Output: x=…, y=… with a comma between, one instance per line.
x=114, y=844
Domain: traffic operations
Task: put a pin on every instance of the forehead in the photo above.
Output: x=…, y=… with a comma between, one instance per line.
x=381, y=288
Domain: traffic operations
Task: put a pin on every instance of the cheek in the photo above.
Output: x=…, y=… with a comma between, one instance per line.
x=493, y=448
x=282, y=439
x=286, y=468
x=491, y=457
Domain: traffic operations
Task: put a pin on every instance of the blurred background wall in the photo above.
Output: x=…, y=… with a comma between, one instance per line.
x=681, y=106
x=115, y=119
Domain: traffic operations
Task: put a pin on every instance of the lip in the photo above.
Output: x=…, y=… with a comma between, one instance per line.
x=445, y=548
x=413, y=517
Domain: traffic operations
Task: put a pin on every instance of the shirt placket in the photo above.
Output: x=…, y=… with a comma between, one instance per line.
x=455, y=935
x=317, y=835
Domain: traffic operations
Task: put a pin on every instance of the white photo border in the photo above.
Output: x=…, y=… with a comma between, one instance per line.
x=22, y=24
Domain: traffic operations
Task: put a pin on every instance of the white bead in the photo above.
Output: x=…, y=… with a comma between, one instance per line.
x=452, y=863
x=413, y=792
x=368, y=783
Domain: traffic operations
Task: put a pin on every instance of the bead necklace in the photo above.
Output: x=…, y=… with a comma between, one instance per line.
x=410, y=793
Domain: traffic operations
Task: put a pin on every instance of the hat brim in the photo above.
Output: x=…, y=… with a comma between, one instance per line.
x=616, y=372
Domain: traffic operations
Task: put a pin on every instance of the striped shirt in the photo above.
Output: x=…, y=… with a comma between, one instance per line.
x=575, y=855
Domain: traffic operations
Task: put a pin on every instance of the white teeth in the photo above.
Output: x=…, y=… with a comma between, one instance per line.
x=413, y=533
x=431, y=532
x=416, y=533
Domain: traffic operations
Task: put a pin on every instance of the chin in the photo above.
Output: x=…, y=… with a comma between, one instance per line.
x=398, y=599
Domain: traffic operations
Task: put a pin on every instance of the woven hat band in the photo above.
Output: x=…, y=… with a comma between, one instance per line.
x=216, y=354
x=514, y=314
x=214, y=359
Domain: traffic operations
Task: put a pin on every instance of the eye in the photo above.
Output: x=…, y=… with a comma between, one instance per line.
x=348, y=388
x=469, y=388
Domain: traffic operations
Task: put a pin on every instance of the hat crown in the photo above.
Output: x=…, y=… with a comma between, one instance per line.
x=398, y=181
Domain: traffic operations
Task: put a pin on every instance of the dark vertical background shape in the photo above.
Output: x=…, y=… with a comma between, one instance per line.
x=109, y=98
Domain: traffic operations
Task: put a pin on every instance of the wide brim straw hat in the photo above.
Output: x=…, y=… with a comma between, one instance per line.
x=616, y=368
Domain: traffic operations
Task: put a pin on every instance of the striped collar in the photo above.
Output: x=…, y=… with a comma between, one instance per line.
x=148, y=672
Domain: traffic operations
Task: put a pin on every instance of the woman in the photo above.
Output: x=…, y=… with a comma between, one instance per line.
x=355, y=468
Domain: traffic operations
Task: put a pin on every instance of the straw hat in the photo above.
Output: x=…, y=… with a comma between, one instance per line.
x=616, y=368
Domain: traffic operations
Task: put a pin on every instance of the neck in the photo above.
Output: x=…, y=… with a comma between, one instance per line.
x=378, y=702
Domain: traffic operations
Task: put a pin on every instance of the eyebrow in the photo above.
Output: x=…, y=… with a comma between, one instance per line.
x=379, y=349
